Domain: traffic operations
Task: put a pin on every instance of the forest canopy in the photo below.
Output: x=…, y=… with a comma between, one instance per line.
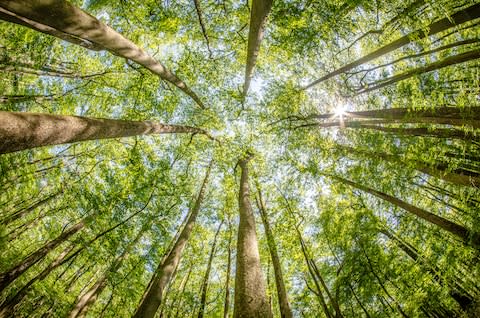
x=200, y=158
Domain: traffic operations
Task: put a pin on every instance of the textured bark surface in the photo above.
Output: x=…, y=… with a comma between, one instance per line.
x=250, y=295
x=19, y=131
x=153, y=296
x=68, y=22
x=285, y=310
x=258, y=18
x=468, y=14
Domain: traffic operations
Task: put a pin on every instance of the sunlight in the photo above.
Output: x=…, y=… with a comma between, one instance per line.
x=340, y=110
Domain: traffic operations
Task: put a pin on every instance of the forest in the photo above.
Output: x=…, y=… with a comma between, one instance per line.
x=252, y=158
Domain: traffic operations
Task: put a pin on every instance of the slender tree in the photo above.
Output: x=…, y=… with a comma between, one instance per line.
x=258, y=19
x=68, y=22
x=153, y=295
x=285, y=310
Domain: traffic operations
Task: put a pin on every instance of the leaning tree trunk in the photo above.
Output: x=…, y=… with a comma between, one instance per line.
x=6, y=278
x=461, y=232
x=203, y=297
x=457, y=18
x=153, y=296
x=68, y=22
x=285, y=310
x=19, y=131
x=258, y=18
x=250, y=294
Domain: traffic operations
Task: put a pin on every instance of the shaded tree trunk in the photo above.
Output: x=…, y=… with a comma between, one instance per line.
x=461, y=232
x=153, y=296
x=22, y=212
x=6, y=278
x=457, y=18
x=19, y=131
x=285, y=310
x=203, y=297
x=68, y=22
x=258, y=19
x=250, y=294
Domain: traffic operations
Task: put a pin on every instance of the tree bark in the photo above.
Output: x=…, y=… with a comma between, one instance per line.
x=285, y=310
x=460, y=17
x=250, y=294
x=153, y=296
x=6, y=278
x=68, y=22
x=467, y=237
x=20, y=131
x=258, y=19
x=203, y=297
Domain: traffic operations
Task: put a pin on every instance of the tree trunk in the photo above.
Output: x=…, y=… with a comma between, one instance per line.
x=153, y=296
x=461, y=232
x=19, y=131
x=285, y=310
x=258, y=19
x=457, y=18
x=10, y=275
x=250, y=294
x=203, y=297
x=68, y=22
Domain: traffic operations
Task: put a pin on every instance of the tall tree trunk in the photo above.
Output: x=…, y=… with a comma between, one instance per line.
x=153, y=296
x=19, y=131
x=250, y=294
x=258, y=19
x=68, y=22
x=333, y=301
x=457, y=18
x=6, y=278
x=461, y=232
x=87, y=299
x=203, y=297
x=226, y=305
x=285, y=310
